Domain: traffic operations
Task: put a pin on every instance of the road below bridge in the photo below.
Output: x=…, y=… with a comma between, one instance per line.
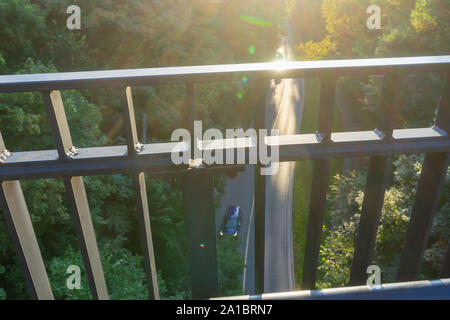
x=284, y=106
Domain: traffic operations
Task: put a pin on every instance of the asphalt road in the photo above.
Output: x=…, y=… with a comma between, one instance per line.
x=240, y=191
x=287, y=101
x=284, y=106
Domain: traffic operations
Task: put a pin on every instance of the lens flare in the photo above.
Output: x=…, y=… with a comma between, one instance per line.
x=256, y=21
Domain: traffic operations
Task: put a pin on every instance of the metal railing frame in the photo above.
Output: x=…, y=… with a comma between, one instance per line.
x=154, y=159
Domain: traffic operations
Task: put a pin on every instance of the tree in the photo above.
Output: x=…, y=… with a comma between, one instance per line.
x=124, y=273
x=116, y=35
x=345, y=204
x=21, y=30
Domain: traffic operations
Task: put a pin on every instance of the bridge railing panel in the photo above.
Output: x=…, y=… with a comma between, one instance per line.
x=154, y=161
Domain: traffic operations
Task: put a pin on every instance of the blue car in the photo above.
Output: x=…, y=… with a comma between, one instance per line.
x=231, y=222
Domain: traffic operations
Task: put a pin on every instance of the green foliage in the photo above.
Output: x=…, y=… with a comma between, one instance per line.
x=169, y=236
x=345, y=203
x=336, y=251
x=419, y=99
x=408, y=28
x=2, y=63
x=231, y=264
x=124, y=273
x=2, y=291
x=315, y=50
x=2, y=294
x=24, y=120
x=429, y=18
x=21, y=28
x=421, y=17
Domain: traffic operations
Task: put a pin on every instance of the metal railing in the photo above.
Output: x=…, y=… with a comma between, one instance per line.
x=154, y=159
x=414, y=290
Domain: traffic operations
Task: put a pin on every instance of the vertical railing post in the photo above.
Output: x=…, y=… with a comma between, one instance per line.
x=76, y=194
x=443, y=121
x=319, y=187
x=260, y=193
x=198, y=206
x=427, y=198
x=377, y=179
x=19, y=223
x=145, y=233
x=140, y=193
x=190, y=116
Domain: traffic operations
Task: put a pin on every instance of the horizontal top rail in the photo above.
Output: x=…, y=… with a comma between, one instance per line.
x=218, y=73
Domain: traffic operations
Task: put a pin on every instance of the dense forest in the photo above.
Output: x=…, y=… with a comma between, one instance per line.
x=337, y=29
x=123, y=34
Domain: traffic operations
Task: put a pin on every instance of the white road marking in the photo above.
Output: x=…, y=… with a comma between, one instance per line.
x=282, y=104
x=246, y=245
